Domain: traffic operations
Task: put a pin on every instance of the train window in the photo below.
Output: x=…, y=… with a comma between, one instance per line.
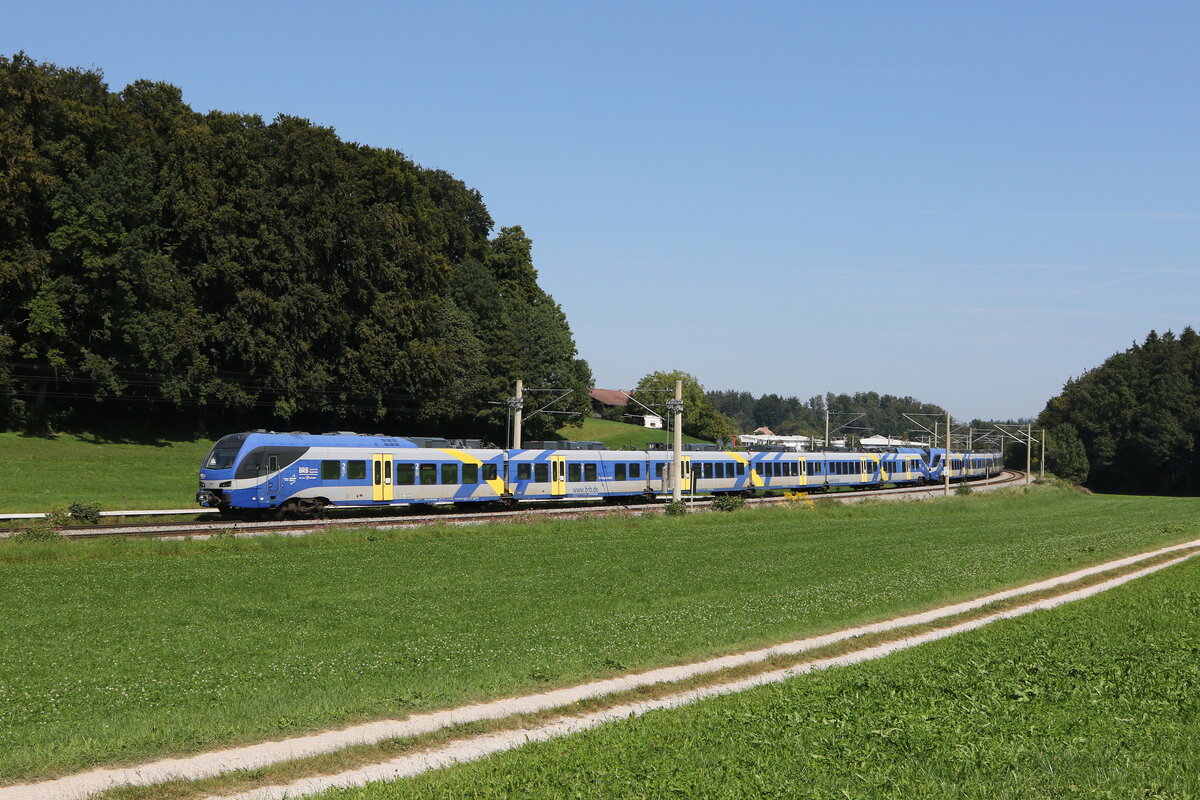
x=378, y=473
x=272, y=464
x=406, y=474
x=795, y=469
x=470, y=473
x=658, y=470
x=724, y=470
x=387, y=472
x=574, y=472
x=331, y=470
x=741, y=469
x=356, y=470
x=635, y=470
x=706, y=470
x=428, y=474
x=589, y=472
x=541, y=473
x=449, y=473
x=524, y=471
x=489, y=472
x=778, y=469
x=619, y=472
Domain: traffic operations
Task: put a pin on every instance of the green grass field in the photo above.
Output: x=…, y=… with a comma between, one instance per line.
x=115, y=650
x=1098, y=699
x=617, y=435
x=41, y=473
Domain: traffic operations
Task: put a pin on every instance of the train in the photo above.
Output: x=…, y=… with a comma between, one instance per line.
x=298, y=474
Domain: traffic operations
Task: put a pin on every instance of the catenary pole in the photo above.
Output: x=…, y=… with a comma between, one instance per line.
x=1028, y=454
x=676, y=408
x=1042, y=460
x=946, y=461
x=518, y=404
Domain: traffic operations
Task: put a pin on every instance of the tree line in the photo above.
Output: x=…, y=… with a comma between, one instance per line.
x=219, y=272
x=1132, y=424
x=882, y=414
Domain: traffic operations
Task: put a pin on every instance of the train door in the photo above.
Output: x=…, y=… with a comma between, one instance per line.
x=272, y=476
x=382, y=485
x=686, y=470
x=558, y=476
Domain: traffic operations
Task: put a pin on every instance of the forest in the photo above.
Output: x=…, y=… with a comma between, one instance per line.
x=882, y=414
x=1131, y=425
x=214, y=272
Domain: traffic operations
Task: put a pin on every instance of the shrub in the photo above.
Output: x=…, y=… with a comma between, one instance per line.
x=38, y=532
x=676, y=508
x=963, y=488
x=728, y=502
x=87, y=513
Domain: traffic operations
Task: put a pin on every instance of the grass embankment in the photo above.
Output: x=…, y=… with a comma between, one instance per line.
x=1098, y=699
x=41, y=473
x=617, y=435
x=114, y=650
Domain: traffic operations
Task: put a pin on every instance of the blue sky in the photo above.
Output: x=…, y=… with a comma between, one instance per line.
x=969, y=203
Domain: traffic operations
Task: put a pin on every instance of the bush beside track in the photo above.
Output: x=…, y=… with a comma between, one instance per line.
x=236, y=640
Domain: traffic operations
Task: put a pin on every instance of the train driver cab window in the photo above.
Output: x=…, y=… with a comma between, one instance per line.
x=541, y=473
x=524, y=471
x=428, y=474
x=331, y=470
x=449, y=473
x=589, y=472
x=619, y=471
x=356, y=470
x=406, y=474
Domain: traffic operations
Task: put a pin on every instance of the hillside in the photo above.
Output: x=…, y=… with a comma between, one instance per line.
x=617, y=435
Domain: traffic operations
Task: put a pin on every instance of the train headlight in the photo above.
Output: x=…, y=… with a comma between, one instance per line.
x=226, y=484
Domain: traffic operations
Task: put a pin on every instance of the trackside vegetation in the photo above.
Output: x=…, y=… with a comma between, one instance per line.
x=1097, y=699
x=114, y=650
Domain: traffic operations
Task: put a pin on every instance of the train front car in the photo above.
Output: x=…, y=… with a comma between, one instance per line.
x=218, y=471
x=257, y=471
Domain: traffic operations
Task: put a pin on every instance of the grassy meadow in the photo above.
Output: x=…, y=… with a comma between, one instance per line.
x=117, y=650
x=40, y=473
x=1097, y=699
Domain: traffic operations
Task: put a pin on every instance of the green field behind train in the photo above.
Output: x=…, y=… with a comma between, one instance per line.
x=117, y=650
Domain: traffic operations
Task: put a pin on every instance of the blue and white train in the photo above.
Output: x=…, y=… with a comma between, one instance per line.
x=300, y=474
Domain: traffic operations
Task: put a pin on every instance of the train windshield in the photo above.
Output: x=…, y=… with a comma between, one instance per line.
x=221, y=458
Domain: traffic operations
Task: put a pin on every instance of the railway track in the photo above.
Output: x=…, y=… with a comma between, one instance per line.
x=204, y=528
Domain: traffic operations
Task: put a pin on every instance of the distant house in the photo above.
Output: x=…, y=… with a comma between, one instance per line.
x=605, y=401
x=764, y=431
